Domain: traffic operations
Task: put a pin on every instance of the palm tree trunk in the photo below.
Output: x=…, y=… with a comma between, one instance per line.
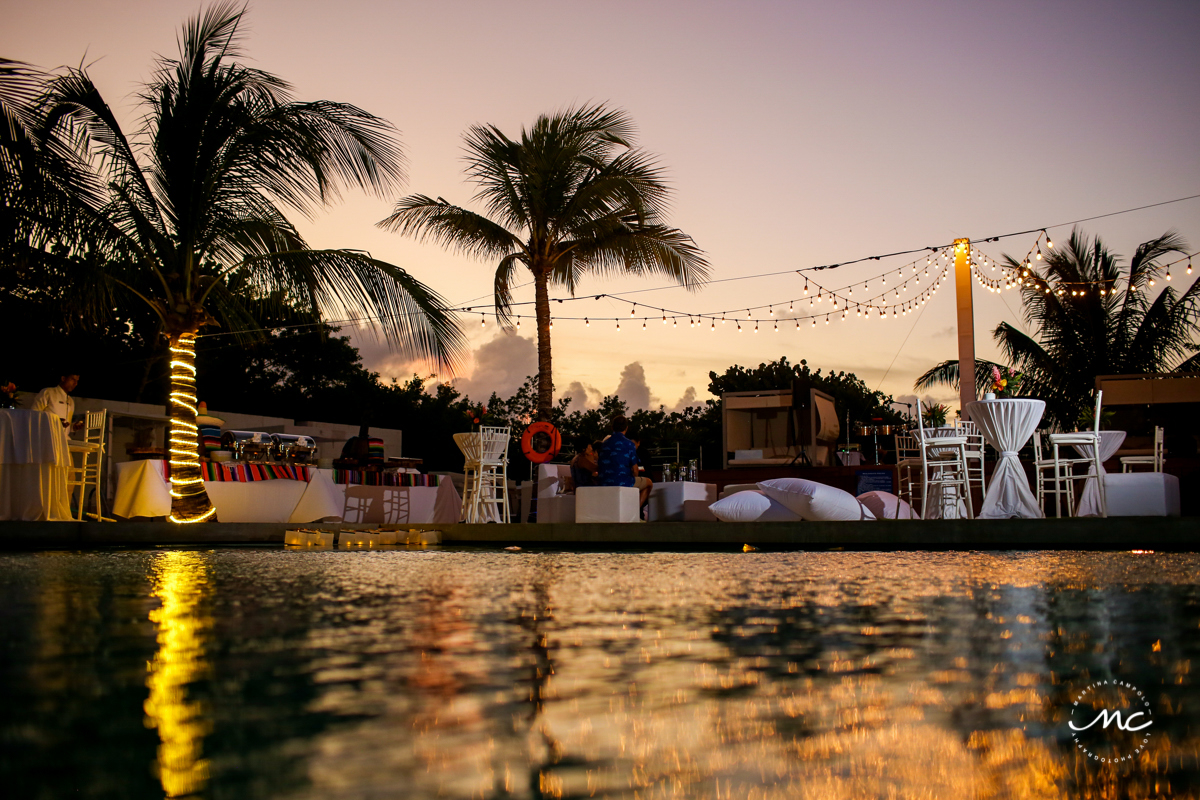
x=541, y=305
x=189, y=500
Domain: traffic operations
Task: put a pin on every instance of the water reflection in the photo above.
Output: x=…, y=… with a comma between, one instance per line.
x=488, y=675
x=183, y=628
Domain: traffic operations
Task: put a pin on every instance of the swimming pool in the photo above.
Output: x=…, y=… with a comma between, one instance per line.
x=260, y=672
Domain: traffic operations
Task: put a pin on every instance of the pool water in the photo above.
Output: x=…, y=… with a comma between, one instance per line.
x=256, y=673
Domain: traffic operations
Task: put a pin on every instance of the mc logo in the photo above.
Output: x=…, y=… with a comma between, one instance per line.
x=1121, y=734
x=1106, y=719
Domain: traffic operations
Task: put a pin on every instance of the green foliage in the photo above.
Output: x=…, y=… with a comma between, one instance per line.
x=570, y=196
x=848, y=391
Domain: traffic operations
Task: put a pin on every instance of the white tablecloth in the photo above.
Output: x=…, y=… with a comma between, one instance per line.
x=33, y=466
x=1006, y=425
x=400, y=505
x=1089, y=501
x=143, y=492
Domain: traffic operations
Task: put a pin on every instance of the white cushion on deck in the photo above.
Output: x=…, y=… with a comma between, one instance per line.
x=815, y=501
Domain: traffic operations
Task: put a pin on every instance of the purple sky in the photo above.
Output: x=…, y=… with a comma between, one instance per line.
x=794, y=134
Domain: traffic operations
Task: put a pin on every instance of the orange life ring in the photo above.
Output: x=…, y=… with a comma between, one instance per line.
x=541, y=442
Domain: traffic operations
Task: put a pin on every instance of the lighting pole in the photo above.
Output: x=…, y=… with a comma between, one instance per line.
x=966, y=324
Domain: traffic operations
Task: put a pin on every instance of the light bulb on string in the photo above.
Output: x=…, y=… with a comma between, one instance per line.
x=739, y=327
x=664, y=319
x=552, y=323
x=586, y=324
x=791, y=305
x=826, y=319
x=482, y=321
x=814, y=322
x=631, y=310
x=797, y=324
x=756, y=326
x=1152, y=281
x=777, y=327
x=714, y=326
x=1049, y=243
x=806, y=285
x=1168, y=273
x=518, y=321
x=1189, y=266
x=771, y=310
x=674, y=322
x=618, y=326
x=691, y=322
x=747, y=313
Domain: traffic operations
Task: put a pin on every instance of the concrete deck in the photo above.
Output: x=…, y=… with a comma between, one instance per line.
x=1115, y=533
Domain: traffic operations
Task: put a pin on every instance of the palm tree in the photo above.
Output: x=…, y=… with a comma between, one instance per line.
x=192, y=206
x=1113, y=328
x=572, y=195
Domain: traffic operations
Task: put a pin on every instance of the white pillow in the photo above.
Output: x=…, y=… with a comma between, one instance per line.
x=750, y=506
x=883, y=505
x=815, y=501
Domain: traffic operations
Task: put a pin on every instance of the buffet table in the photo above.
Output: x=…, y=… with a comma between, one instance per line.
x=142, y=491
x=396, y=505
x=33, y=466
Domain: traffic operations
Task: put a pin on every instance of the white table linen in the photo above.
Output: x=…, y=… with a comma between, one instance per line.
x=1007, y=424
x=1089, y=501
x=33, y=466
x=471, y=445
x=142, y=491
x=397, y=505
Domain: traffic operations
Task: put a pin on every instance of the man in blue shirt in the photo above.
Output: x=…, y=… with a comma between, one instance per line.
x=618, y=462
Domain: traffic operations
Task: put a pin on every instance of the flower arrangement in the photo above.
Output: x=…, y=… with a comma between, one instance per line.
x=1006, y=383
x=8, y=395
x=476, y=414
x=935, y=416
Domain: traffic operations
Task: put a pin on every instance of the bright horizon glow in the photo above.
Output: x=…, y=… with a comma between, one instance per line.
x=794, y=135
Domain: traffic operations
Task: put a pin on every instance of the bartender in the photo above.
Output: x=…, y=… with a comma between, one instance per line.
x=58, y=401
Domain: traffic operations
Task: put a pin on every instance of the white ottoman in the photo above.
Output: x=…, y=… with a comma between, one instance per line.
x=560, y=508
x=606, y=504
x=667, y=499
x=1142, y=494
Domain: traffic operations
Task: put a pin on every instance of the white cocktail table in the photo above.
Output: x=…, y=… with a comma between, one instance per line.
x=1007, y=424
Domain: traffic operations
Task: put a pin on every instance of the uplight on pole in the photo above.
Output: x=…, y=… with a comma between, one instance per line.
x=966, y=324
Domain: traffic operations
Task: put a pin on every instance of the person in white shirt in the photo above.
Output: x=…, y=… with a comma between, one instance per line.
x=58, y=401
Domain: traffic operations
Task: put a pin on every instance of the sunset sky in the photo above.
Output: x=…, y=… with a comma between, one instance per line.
x=794, y=134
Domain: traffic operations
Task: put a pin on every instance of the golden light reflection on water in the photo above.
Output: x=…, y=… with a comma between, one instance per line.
x=181, y=583
x=824, y=676
x=835, y=676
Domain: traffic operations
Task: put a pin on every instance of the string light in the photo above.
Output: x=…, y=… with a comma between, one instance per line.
x=186, y=481
x=586, y=324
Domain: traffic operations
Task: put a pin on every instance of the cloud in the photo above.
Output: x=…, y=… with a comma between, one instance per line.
x=501, y=366
x=949, y=332
x=633, y=388
x=582, y=397
x=688, y=399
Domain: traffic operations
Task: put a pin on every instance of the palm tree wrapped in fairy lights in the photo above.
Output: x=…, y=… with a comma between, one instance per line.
x=192, y=205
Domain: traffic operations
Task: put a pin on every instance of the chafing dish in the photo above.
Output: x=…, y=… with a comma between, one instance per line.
x=254, y=447
x=292, y=449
